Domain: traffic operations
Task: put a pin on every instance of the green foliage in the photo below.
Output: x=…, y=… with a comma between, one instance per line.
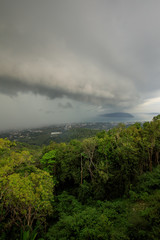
x=105, y=187
x=28, y=235
x=48, y=161
x=26, y=192
x=150, y=181
x=28, y=197
x=101, y=221
x=144, y=218
x=156, y=117
x=144, y=215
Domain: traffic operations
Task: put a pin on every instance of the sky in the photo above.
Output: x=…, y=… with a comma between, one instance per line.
x=72, y=60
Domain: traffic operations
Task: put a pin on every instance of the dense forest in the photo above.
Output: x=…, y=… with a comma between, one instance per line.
x=102, y=187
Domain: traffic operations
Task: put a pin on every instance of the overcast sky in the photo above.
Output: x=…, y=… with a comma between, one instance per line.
x=70, y=60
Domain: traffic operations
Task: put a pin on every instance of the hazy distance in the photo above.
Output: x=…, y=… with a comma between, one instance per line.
x=67, y=61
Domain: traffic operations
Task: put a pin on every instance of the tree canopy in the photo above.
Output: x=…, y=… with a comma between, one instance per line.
x=102, y=187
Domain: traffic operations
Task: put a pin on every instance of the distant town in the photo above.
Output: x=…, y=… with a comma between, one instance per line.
x=58, y=133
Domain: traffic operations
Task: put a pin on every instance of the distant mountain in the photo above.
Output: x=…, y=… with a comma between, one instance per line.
x=118, y=115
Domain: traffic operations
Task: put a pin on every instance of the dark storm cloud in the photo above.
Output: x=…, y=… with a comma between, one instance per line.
x=11, y=87
x=93, y=51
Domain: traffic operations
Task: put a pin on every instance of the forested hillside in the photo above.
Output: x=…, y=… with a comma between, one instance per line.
x=103, y=187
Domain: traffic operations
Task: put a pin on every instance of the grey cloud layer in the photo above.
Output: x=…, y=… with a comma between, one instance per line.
x=99, y=52
x=65, y=106
x=12, y=87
